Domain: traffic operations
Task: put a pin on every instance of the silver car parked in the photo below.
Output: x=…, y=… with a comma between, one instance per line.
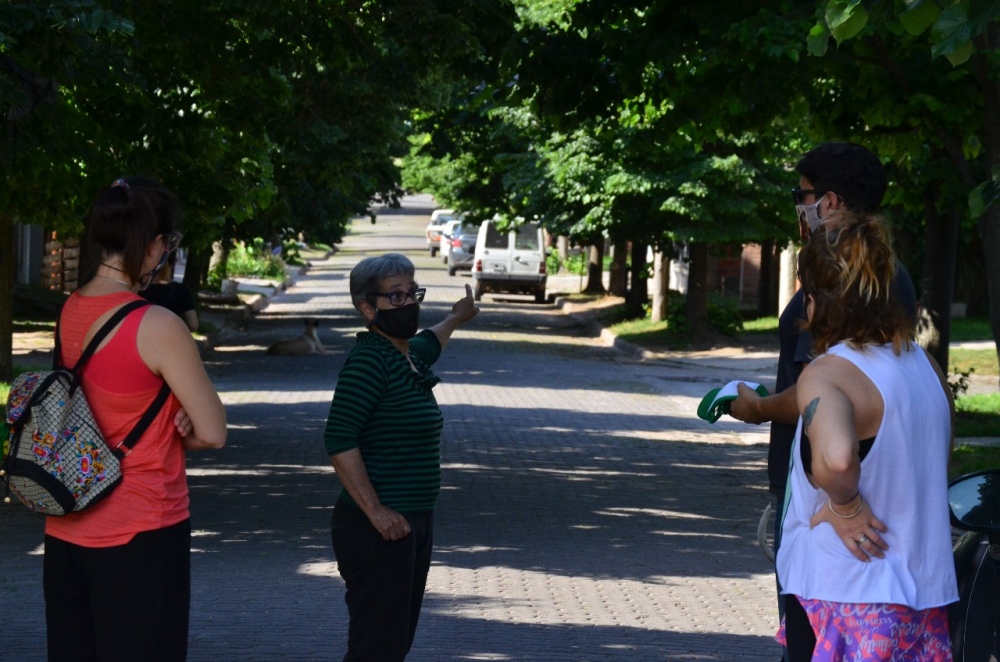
x=462, y=247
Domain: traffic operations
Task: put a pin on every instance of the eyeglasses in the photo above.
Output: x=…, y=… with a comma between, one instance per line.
x=799, y=194
x=172, y=240
x=399, y=298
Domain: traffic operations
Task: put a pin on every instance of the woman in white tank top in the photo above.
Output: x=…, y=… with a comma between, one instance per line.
x=865, y=557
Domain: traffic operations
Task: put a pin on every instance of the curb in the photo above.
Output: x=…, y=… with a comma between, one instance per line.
x=608, y=337
x=250, y=303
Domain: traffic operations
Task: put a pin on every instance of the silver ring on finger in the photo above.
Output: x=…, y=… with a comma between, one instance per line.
x=863, y=539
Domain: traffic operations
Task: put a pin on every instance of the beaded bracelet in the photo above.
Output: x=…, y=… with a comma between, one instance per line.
x=861, y=506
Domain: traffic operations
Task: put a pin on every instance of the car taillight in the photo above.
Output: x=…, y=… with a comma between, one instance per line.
x=456, y=243
x=541, y=268
x=479, y=266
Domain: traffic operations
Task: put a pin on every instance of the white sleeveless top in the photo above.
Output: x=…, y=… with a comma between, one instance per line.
x=905, y=481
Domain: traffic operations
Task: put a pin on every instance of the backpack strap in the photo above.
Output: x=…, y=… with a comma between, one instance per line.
x=161, y=398
x=147, y=419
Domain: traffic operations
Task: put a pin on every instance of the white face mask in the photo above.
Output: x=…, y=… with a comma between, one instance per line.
x=809, y=214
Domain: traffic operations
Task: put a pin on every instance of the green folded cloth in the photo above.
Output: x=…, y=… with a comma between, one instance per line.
x=717, y=401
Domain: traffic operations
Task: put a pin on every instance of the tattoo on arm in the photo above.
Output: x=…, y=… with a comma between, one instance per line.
x=807, y=415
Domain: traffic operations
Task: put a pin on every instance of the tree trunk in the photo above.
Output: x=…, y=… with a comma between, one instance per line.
x=661, y=286
x=7, y=260
x=562, y=244
x=989, y=229
x=618, y=274
x=195, y=269
x=938, y=287
x=638, y=294
x=696, y=304
x=595, y=269
x=767, y=286
x=989, y=223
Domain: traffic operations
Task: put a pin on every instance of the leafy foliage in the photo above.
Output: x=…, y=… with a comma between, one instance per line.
x=252, y=259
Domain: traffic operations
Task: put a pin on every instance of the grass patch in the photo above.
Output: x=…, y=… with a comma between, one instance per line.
x=761, y=325
x=971, y=328
x=977, y=415
x=644, y=332
x=654, y=336
x=34, y=326
x=967, y=459
x=981, y=361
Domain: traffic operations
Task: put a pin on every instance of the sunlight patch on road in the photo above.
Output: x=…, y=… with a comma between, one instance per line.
x=319, y=569
x=227, y=472
x=694, y=436
x=262, y=470
x=287, y=397
x=662, y=603
x=591, y=472
x=656, y=512
x=472, y=549
x=463, y=465
x=696, y=534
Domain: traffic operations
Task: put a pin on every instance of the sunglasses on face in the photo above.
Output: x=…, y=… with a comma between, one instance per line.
x=172, y=240
x=799, y=195
x=399, y=298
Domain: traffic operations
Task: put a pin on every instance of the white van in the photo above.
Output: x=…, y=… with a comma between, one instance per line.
x=510, y=262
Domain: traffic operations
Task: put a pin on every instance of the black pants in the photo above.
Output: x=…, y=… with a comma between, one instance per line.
x=124, y=603
x=385, y=582
x=798, y=632
x=778, y=515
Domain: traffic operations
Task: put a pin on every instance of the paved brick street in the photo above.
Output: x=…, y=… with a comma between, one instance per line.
x=586, y=512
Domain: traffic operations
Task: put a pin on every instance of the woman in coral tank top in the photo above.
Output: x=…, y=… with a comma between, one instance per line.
x=117, y=575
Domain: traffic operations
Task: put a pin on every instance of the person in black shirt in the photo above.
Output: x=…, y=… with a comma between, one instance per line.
x=833, y=175
x=170, y=294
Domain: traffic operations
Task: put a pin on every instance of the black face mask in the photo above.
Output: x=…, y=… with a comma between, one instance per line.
x=401, y=323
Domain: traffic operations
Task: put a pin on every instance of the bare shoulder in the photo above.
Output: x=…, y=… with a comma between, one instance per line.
x=829, y=374
x=163, y=325
x=825, y=369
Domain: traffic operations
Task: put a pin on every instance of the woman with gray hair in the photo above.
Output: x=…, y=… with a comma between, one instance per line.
x=383, y=435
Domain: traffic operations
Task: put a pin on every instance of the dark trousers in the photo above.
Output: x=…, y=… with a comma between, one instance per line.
x=778, y=514
x=798, y=631
x=123, y=603
x=385, y=582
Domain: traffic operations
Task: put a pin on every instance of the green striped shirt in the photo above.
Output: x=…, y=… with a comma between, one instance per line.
x=385, y=409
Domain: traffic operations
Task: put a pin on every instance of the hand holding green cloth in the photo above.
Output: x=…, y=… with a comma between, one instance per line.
x=717, y=401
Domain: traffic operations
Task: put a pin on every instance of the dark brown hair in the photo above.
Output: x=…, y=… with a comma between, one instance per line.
x=848, y=267
x=851, y=171
x=126, y=217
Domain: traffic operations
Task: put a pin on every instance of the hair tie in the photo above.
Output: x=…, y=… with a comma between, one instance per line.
x=121, y=183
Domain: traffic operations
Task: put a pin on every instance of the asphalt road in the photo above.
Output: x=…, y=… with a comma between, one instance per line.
x=586, y=513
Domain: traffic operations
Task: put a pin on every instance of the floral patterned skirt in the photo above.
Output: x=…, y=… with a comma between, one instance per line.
x=876, y=632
